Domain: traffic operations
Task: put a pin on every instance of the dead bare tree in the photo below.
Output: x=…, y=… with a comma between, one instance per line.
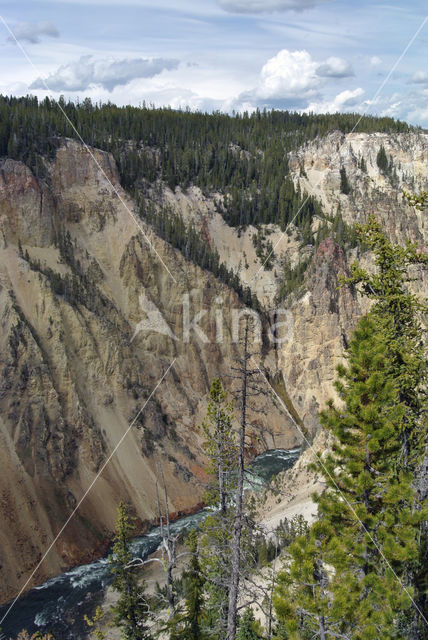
x=169, y=542
x=247, y=389
x=168, y=547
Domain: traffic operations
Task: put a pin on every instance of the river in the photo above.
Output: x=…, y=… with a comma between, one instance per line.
x=59, y=604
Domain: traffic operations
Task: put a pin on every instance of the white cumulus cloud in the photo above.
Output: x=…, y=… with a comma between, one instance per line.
x=335, y=67
x=267, y=6
x=291, y=78
x=31, y=31
x=344, y=101
x=108, y=73
x=289, y=74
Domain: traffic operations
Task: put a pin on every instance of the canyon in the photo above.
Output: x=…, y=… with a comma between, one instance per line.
x=100, y=335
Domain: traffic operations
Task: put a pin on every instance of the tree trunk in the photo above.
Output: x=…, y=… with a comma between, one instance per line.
x=236, y=543
x=220, y=454
x=169, y=544
x=269, y=633
x=170, y=590
x=322, y=628
x=417, y=578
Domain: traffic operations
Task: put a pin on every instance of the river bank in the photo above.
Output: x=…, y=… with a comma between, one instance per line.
x=296, y=488
x=59, y=604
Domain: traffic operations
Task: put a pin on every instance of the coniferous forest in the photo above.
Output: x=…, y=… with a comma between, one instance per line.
x=240, y=158
x=243, y=157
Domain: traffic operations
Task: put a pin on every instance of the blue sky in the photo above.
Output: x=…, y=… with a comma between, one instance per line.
x=316, y=55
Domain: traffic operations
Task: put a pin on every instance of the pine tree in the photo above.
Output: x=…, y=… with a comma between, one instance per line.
x=345, y=187
x=130, y=611
x=382, y=160
x=94, y=624
x=378, y=527
x=398, y=316
x=301, y=601
x=215, y=546
x=249, y=628
x=220, y=447
x=363, y=165
x=168, y=547
x=189, y=627
x=246, y=390
x=419, y=200
x=397, y=313
x=356, y=576
x=345, y=582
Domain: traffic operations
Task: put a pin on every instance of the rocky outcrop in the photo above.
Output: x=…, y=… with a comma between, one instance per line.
x=324, y=314
x=316, y=167
x=322, y=318
x=26, y=208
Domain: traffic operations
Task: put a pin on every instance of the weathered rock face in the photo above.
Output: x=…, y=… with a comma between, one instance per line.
x=77, y=278
x=323, y=315
x=235, y=246
x=94, y=308
x=26, y=207
x=323, y=318
x=316, y=167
